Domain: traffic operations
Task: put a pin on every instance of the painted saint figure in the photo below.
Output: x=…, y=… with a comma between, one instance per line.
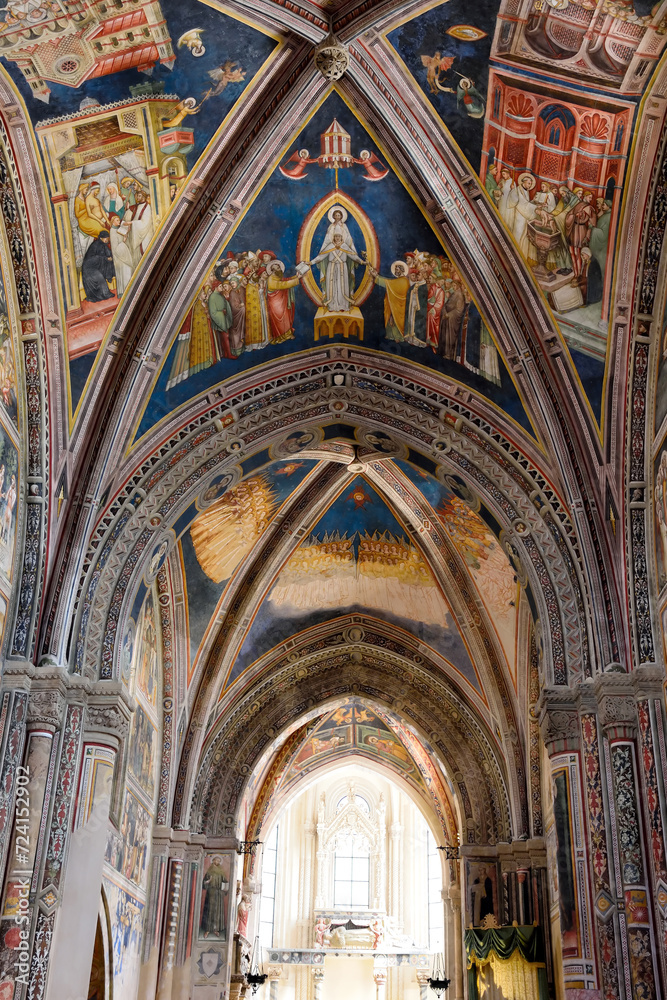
x=97, y=270
x=396, y=293
x=215, y=885
x=280, y=298
x=450, y=320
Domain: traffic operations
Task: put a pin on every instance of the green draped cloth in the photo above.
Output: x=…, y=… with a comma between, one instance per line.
x=504, y=941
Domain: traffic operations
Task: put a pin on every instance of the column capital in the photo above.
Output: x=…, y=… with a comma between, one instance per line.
x=617, y=711
x=423, y=976
x=108, y=717
x=558, y=717
x=46, y=706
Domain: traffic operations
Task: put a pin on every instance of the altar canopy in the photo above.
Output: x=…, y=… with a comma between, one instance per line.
x=506, y=963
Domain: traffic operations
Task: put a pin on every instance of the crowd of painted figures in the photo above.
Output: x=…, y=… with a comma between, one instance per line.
x=578, y=218
x=119, y=226
x=427, y=305
x=245, y=305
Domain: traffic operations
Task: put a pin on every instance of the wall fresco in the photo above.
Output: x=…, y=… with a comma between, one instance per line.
x=552, y=159
x=215, y=901
x=9, y=493
x=319, y=257
x=122, y=104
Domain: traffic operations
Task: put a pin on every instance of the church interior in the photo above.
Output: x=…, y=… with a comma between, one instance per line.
x=333, y=500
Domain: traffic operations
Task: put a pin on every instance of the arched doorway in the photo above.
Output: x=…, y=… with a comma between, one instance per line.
x=351, y=886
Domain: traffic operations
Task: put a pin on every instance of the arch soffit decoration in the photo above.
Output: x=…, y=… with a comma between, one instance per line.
x=321, y=671
x=272, y=795
x=138, y=380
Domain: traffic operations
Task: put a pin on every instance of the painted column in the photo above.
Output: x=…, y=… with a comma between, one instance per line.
x=57, y=822
x=155, y=904
x=173, y=901
x=619, y=719
x=613, y=981
x=454, y=941
x=395, y=834
x=422, y=979
x=305, y=886
x=274, y=972
x=26, y=785
x=106, y=724
x=13, y=717
x=188, y=919
x=653, y=767
x=560, y=729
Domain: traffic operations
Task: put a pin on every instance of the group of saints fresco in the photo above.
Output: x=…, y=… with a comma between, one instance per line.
x=247, y=303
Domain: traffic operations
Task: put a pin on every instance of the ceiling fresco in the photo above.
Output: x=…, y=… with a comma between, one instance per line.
x=489, y=565
x=123, y=105
x=542, y=99
x=358, y=557
x=225, y=531
x=334, y=249
x=352, y=729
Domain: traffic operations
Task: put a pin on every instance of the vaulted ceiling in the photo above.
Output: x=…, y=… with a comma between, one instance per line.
x=341, y=364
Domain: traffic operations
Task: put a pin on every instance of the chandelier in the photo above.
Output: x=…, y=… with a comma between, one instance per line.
x=256, y=977
x=438, y=980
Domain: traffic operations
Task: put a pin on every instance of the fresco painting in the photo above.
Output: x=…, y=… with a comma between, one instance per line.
x=147, y=661
x=318, y=257
x=10, y=942
x=565, y=863
x=128, y=853
x=205, y=561
x=215, y=900
x=488, y=564
x=661, y=386
x=125, y=918
x=358, y=556
x=142, y=757
x=352, y=728
x=552, y=161
x=660, y=513
x=9, y=486
x=8, y=403
x=482, y=892
x=121, y=113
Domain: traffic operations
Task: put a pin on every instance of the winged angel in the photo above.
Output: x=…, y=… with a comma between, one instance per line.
x=435, y=65
x=224, y=533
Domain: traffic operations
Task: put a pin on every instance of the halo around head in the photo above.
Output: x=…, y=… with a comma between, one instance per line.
x=530, y=177
x=275, y=265
x=337, y=208
x=399, y=268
